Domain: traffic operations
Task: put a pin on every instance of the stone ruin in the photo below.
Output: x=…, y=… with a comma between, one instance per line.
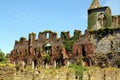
x=101, y=17
x=99, y=46
x=49, y=50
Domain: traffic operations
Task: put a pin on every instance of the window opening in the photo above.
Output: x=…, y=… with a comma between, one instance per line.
x=47, y=35
x=83, y=51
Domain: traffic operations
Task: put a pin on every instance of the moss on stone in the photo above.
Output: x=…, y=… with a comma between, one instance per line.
x=92, y=18
x=108, y=18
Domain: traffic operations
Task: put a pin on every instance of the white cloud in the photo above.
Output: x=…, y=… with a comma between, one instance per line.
x=114, y=5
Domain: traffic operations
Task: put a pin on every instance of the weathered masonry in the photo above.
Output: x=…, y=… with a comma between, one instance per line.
x=100, y=45
x=48, y=50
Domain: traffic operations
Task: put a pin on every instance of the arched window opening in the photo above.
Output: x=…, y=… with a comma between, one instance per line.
x=47, y=35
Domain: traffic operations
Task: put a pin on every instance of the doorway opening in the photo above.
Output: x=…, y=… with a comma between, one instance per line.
x=83, y=51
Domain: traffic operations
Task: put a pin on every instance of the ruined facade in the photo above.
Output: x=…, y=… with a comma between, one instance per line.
x=101, y=17
x=49, y=50
x=99, y=45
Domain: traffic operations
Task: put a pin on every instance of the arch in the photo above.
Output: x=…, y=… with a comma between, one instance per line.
x=47, y=35
x=87, y=61
x=46, y=54
x=47, y=48
x=101, y=19
x=72, y=60
x=59, y=61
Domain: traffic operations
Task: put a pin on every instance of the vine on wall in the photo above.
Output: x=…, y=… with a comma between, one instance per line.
x=108, y=20
x=68, y=45
x=92, y=18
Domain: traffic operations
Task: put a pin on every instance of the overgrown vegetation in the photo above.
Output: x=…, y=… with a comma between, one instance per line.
x=69, y=42
x=92, y=18
x=108, y=19
x=102, y=32
x=3, y=58
x=68, y=45
x=79, y=68
x=46, y=56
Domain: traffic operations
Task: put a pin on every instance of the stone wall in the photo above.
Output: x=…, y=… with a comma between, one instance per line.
x=9, y=73
x=106, y=45
x=102, y=74
x=116, y=21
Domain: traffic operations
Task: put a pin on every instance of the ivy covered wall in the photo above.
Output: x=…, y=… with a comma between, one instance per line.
x=92, y=18
x=99, y=18
x=108, y=20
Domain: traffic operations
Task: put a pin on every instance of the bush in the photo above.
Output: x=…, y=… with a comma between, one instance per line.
x=79, y=68
x=2, y=57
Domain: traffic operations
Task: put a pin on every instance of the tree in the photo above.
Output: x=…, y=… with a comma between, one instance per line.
x=2, y=56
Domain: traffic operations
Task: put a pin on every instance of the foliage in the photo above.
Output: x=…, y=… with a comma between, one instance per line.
x=46, y=56
x=92, y=20
x=79, y=68
x=76, y=36
x=2, y=57
x=108, y=18
x=102, y=32
x=68, y=45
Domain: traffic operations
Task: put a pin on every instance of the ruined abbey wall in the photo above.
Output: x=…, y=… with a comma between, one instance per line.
x=50, y=50
x=99, y=46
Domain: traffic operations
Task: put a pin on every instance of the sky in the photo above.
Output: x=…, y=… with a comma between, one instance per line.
x=18, y=18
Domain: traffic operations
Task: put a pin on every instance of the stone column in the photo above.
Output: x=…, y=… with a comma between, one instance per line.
x=23, y=64
x=32, y=64
x=54, y=64
x=14, y=63
x=43, y=64
x=68, y=63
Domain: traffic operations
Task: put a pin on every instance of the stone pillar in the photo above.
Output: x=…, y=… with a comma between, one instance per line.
x=14, y=63
x=68, y=63
x=33, y=65
x=54, y=36
x=54, y=64
x=43, y=64
x=23, y=64
x=47, y=66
